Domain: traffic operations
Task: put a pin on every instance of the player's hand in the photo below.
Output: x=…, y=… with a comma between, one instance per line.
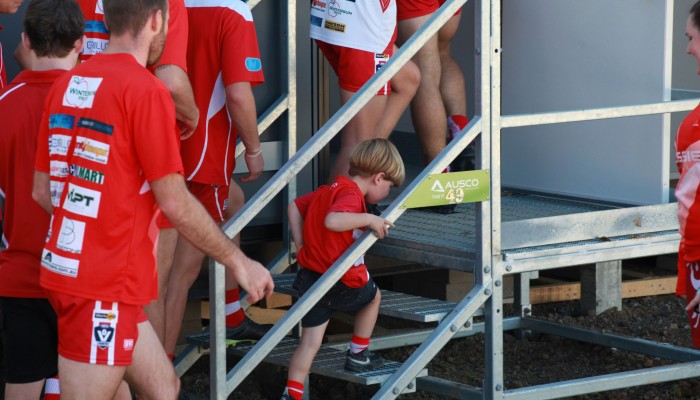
x=187, y=127
x=379, y=226
x=254, y=278
x=255, y=164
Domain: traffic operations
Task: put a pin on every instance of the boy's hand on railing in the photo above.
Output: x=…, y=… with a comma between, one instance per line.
x=379, y=225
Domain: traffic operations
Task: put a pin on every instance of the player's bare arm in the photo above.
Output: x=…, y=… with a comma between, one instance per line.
x=241, y=106
x=192, y=221
x=345, y=221
x=296, y=224
x=41, y=191
x=177, y=82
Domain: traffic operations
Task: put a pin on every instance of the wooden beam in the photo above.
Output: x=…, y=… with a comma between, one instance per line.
x=630, y=289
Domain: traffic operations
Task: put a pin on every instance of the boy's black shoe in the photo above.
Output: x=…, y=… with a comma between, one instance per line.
x=363, y=361
x=248, y=330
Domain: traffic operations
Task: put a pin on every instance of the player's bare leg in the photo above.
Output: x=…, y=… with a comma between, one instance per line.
x=403, y=87
x=362, y=127
x=427, y=110
x=24, y=391
x=366, y=318
x=452, y=86
x=167, y=239
x=82, y=381
x=151, y=373
x=185, y=270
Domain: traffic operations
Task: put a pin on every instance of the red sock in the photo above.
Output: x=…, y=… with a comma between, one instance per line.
x=52, y=389
x=171, y=356
x=357, y=344
x=455, y=123
x=295, y=389
x=234, y=312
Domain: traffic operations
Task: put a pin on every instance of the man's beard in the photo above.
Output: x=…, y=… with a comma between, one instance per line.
x=155, y=51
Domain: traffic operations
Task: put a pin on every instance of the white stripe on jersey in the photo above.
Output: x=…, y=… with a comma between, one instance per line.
x=235, y=5
x=217, y=101
x=12, y=90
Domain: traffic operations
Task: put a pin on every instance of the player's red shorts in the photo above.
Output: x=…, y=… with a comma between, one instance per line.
x=407, y=9
x=96, y=332
x=355, y=67
x=214, y=199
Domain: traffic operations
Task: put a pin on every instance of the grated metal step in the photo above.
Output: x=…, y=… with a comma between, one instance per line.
x=328, y=362
x=394, y=304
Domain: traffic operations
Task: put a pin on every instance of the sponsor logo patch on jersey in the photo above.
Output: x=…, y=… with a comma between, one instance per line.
x=91, y=149
x=56, y=189
x=82, y=201
x=92, y=46
x=60, y=265
x=316, y=21
x=87, y=174
x=81, y=91
x=253, y=64
x=334, y=26
x=61, y=121
x=58, y=169
x=70, y=238
x=58, y=145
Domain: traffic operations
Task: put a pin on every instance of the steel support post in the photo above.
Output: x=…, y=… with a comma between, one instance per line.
x=601, y=287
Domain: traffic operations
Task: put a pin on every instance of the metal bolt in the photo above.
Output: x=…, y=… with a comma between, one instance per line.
x=487, y=292
x=499, y=388
x=509, y=268
x=396, y=391
x=498, y=282
x=477, y=51
x=467, y=324
x=453, y=328
x=527, y=310
x=487, y=270
x=410, y=385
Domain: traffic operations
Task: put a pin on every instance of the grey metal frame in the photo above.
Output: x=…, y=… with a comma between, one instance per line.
x=500, y=249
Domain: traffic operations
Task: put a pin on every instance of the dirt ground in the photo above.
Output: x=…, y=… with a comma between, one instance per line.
x=540, y=359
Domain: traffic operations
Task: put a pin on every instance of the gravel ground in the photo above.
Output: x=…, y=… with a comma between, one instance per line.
x=540, y=359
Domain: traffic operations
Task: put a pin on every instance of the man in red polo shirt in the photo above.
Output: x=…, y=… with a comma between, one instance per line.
x=110, y=163
x=53, y=31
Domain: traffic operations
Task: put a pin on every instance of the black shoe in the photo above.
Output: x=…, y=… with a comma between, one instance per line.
x=465, y=161
x=247, y=330
x=363, y=361
x=443, y=209
x=374, y=209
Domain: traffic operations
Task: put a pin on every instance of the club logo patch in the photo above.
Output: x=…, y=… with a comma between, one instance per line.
x=104, y=335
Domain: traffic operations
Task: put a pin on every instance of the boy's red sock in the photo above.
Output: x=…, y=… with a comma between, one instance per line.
x=455, y=124
x=295, y=389
x=234, y=312
x=357, y=344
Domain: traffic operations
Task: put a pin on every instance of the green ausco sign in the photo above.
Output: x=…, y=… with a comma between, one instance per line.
x=451, y=188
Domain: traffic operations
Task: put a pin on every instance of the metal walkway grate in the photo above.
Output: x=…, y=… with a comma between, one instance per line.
x=449, y=240
x=394, y=304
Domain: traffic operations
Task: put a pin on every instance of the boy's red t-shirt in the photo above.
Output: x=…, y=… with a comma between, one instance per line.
x=322, y=247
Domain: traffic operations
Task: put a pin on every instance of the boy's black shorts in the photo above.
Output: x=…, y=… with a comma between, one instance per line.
x=30, y=339
x=340, y=297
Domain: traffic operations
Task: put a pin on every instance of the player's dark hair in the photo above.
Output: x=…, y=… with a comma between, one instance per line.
x=53, y=26
x=130, y=16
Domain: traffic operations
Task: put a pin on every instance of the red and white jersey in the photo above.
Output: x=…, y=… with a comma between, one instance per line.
x=688, y=161
x=97, y=34
x=108, y=130
x=223, y=49
x=25, y=224
x=362, y=25
x=322, y=247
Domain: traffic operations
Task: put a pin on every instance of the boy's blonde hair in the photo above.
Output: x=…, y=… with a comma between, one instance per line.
x=374, y=156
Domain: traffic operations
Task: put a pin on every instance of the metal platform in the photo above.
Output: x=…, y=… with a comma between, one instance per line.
x=449, y=240
x=394, y=304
